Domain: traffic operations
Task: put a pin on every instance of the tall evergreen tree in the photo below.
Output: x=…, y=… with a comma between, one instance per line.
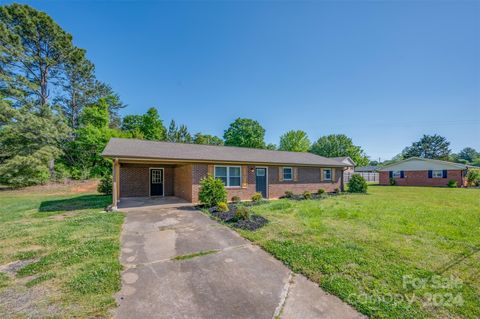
x=429, y=146
x=172, y=131
x=152, y=126
x=33, y=52
x=178, y=134
x=29, y=143
x=184, y=135
x=77, y=85
x=100, y=90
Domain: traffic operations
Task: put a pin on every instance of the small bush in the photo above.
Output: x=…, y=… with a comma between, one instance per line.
x=236, y=199
x=357, y=184
x=307, y=195
x=392, y=181
x=242, y=213
x=288, y=194
x=222, y=207
x=336, y=190
x=321, y=191
x=212, y=191
x=473, y=177
x=257, y=197
x=106, y=184
x=452, y=183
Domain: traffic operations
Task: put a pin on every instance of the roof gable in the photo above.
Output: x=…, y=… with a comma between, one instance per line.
x=141, y=149
x=345, y=159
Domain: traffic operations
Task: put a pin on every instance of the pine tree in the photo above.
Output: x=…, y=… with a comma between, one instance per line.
x=29, y=143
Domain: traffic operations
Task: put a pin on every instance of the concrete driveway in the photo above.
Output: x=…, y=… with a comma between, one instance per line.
x=178, y=263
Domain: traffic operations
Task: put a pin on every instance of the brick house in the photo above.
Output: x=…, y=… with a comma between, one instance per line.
x=416, y=171
x=150, y=168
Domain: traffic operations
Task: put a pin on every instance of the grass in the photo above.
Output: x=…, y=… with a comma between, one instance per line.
x=200, y=253
x=72, y=248
x=369, y=249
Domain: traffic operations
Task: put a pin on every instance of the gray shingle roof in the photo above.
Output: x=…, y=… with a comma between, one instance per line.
x=133, y=148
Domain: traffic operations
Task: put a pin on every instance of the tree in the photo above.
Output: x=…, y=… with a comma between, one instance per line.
x=29, y=143
x=152, y=126
x=133, y=125
x=101, y=90
x=79, y=79
x=83, y=155
x=271, y=147
x=33, y=52
x=468, y=154
x=183, y=135
x=429, y=146
x=337, y=145
x=294, y=141
x=200, y=138
x=39, y=65
x=178, y=134
x=245, y=133
x=148, y=126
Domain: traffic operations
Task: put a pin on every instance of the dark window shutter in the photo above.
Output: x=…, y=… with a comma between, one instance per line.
x=390, y=174
x=430, y=174
x=402, y=174
x=444, y=173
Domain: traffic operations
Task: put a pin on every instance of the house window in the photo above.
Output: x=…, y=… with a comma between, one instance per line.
x=157, y=176
x=437, y=173
x=287, y=174
x=327, y=174
x=396, y=174
x=231, y=176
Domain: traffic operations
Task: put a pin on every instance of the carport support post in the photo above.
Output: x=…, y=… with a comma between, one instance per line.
x=116, y=182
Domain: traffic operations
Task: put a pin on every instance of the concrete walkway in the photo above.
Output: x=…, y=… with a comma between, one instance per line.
x=218, y=274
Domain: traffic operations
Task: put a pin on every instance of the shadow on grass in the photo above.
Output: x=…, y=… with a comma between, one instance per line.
x=75, y=203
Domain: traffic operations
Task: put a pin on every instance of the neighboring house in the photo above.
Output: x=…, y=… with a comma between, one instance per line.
x=416, y=171
x=347, y=161
x=147, y=168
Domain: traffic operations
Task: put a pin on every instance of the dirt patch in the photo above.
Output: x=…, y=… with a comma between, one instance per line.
x=12, y=268
x=63, y=216
x=59, y=188
x=20, y=301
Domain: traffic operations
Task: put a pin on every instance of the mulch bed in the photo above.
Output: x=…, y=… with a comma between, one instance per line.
x=253, y=223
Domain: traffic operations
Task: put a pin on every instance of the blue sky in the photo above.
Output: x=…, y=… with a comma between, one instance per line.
x=384, y=73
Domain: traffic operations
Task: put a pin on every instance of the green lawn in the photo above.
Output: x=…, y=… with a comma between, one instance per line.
x=74, y=247
x=364, y=248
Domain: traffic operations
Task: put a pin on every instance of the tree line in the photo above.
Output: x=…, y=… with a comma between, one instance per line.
x=435, y=147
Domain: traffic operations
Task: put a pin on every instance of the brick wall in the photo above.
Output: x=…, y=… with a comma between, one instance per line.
x=420, y=178
x=308, y=179
x=135, y=179
x=183, y=182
